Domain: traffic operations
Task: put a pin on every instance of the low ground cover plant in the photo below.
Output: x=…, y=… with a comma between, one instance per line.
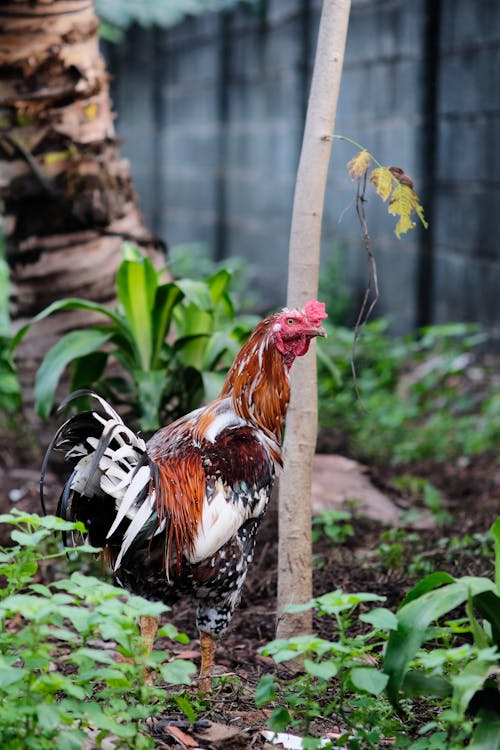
x=72, y=663
x=437, y=657
x=419, y=396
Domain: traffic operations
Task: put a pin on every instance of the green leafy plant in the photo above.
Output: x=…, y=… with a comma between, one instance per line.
x=348, y=663
x=390, y=183
x=421, y=488
x=72, y=662
x=415, y=397
x=10, y=395
x=334, y=525
x=465, y=671
x=159, y=372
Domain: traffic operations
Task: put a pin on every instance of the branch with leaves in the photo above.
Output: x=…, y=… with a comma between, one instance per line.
x=390, y=183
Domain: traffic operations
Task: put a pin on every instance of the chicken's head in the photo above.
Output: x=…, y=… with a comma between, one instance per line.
x=294, y=329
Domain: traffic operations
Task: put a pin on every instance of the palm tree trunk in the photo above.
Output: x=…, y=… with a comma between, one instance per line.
x=67, y=193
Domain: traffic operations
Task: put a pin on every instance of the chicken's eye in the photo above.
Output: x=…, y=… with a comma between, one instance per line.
x=291, y=321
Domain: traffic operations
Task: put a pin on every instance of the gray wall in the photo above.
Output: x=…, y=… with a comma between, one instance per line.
x=212, y=113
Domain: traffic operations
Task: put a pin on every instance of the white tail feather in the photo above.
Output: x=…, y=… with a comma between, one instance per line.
x=140, y=518
x=138, y=483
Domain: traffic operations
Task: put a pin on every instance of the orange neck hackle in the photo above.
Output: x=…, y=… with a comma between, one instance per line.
x=258, y=381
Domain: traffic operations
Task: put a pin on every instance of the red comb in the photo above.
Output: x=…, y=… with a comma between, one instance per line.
x=315, y=311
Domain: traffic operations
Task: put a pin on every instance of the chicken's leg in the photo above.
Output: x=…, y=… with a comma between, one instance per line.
x=207, y=647
x=149, y=628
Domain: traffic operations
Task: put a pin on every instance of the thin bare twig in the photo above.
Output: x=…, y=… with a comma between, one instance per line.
x=372, y=288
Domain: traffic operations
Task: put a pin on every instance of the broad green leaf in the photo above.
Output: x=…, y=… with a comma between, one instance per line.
x=368, y=679
x=69, y=347
x=150, y=387
x=9, y=675
x=488, y=605
x=137, y=282
x=285, y=655
x=294, y=608
x=129, y=251
x=430, y=582
x=480, y=637
x=330, y=365
x=212, y=384
x=191, y=349
x=325, y=670
x=381, y=618
x=495, y=530
x=54, y=523
x=178, y=672
x=49, y=716
x=279, y=719
x=186, y=707
x=413, y=621
x=197, y=292
x=338, y=601
x=265, y=690
x=471, y=679
x=87, y=370
x=97, y=655
x=141, y=606
x=486, y=734
x=70, y=303
x=113, y=677
x=218, y=285
x=215, y=346
x=106, y=721
x=167, y=296
x=417, y=683
x=31, y=539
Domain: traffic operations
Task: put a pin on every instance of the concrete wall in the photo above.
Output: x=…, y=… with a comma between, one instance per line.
x=212, y=113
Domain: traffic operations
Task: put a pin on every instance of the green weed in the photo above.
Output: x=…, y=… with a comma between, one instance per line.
x=72, y=662
x=415, y=396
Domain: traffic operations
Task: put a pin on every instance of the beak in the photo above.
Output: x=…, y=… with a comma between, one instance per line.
x=317, y=331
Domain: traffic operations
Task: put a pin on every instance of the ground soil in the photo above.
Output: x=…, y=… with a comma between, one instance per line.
x=471, y=489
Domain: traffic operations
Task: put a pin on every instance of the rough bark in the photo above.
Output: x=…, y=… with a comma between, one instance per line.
x=295, y=558
x=67, y=193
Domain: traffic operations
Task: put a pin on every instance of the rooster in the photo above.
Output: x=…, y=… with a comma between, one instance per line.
x=178, y=515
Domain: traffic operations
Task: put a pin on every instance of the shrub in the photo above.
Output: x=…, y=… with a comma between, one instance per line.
x=161, y=376
x=414, y=396
x=72, y=662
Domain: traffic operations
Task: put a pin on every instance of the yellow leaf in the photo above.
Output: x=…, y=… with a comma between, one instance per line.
x=403, y=202
x=91, y=111
x=420, y=213
x=383, y=180
x=403, y=225
x=358, y=166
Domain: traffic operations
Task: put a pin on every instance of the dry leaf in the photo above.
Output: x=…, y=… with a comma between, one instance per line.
x=403, y=202
x=401, y=176
x=184, y=739
x=222, y=737
x=359, y=164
